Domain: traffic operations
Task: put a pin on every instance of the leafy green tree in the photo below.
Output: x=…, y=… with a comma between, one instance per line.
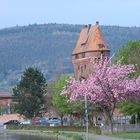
x=61, y=102
x=29, y=93
x=131, y=108
x=130, y=54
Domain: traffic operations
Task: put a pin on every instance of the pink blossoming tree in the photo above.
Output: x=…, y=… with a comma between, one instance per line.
x=108, y=85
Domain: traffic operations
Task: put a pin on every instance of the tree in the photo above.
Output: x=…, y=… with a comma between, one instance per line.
x=61, y=102
x=131, y=108
x=29, y=93
x=108, y=85
x=130, y=55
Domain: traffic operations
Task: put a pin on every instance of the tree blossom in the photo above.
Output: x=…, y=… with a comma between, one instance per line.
x=108, y=85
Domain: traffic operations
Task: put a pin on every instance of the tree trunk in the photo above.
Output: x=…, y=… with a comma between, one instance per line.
x=109, y=118
x=111, y=124
x=61, y=117
x=71, y=120
x=81, y=120
x=138, y=117
x=90, y=120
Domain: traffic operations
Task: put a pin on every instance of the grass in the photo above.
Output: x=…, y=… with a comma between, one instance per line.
x=129, y=135
x=73, y=136
x=49, y=135
x=95, y=130
x=70, y=132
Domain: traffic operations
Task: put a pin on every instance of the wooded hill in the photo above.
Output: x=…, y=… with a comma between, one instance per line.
x=49, y=47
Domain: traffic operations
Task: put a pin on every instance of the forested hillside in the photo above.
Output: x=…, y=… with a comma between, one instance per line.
x=49, y=47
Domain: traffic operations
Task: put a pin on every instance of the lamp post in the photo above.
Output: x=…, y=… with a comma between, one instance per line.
x=86, y=117
x=86, y=111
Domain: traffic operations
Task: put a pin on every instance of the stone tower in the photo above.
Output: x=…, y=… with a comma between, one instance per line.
x=90, y=44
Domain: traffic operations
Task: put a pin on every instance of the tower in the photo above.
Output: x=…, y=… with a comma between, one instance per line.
x=90, y=44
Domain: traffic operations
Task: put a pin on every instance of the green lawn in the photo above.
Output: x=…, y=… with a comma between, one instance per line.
x=131, y=135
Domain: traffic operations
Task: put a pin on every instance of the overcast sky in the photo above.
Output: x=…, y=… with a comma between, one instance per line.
x=107, y=12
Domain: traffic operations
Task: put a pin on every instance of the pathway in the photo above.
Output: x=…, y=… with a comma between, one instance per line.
x=103, y=137
x=93, y=136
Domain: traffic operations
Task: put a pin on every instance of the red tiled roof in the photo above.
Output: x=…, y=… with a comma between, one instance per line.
x=89, y=40
x=5, y=94
x=6, y=117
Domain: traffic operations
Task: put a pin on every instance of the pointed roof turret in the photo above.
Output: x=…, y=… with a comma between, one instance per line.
x=90, y=39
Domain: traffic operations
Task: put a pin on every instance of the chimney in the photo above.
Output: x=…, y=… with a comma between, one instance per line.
x=89, y=26
x=97, y=22
x=85, y=26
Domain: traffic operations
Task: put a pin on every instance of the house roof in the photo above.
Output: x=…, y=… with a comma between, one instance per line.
x=6, y=117
x=89, y=40
x=5, y=94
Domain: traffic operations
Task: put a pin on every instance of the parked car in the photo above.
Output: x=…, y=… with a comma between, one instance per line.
x=26, y=122
x=54, y=121
x=12, y=122
x=43, y=121
x=35, y=121
x=40, y=121
x=1, y=126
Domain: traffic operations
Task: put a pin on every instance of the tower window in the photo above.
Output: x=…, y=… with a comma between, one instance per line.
x=96, y=60
x=85, y=66
x=83, y=44
x=83, y=55
x=101, y=46
x=76, y=56
x=78, y=67
x=81, y=69
x=102, y=54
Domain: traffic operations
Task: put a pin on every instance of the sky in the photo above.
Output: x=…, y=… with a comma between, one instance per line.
x=107, y=12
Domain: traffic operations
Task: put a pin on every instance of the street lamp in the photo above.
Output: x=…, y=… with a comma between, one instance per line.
x=86, y=112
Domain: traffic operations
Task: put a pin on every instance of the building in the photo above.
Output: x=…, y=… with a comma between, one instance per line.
x=5, y=102
x=90, y=44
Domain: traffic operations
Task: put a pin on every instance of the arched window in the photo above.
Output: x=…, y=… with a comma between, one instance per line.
x=76, y=56
x=101, y=46
x=83, y=55
x=85, y=66
x=78, y=67
x=96, y=60
x=81, y=69
x=102, y=54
